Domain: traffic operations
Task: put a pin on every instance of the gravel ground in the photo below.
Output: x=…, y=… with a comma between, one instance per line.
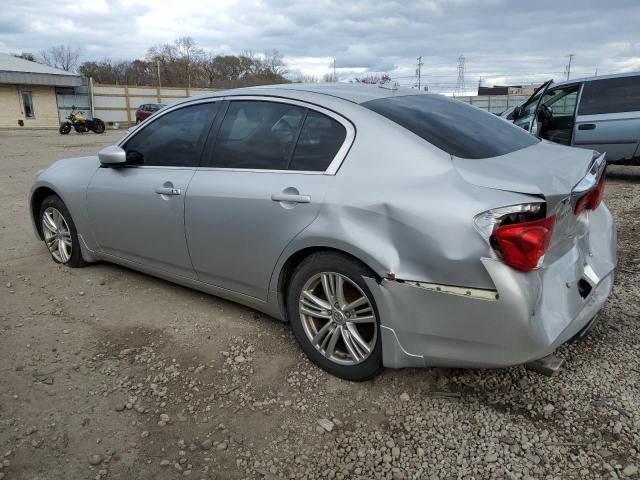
x=106, y=373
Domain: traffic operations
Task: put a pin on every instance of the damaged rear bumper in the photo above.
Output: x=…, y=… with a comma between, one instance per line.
x=528, y=317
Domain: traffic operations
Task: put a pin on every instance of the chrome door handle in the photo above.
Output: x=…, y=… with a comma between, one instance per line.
x=291, y=198
x=168, y=191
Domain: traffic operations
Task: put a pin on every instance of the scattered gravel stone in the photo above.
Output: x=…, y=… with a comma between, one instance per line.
x=326, y=424
x=206, y=445
x=630, y=470
x=404, y=396
x=95, y=459
x=491, y=458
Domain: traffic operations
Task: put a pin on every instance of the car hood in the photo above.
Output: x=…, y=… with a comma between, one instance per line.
x=544, y=169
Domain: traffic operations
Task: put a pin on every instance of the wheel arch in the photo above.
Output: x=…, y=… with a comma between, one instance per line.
x=295, y=258
x=37, y=197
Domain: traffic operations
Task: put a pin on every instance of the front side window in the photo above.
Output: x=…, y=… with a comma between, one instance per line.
x=27, y=102
x=562, y=101
x=453, y=126
x=257, y=135
x=174, y=139
x=611, y=95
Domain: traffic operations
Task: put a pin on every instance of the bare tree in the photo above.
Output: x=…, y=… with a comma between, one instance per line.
x=189, y=54
x=329, y=77
x=373, y=79
x=305, y=79
x=25, y=56
x=64, y=57
x=273, y=63
x=182, y=63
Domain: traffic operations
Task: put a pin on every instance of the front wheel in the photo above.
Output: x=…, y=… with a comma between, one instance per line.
x=65, y=128
x=334, y=317
x=59, y=232
x=98, y=126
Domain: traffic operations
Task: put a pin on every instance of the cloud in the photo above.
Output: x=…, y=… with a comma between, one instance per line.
x=502, y=41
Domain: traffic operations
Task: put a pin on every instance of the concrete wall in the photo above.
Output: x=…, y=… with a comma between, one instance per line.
x=494, y=103
x=44, y=107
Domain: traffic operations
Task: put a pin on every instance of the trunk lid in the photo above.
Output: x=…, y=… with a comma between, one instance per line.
x=545, y=169
x=560, y=175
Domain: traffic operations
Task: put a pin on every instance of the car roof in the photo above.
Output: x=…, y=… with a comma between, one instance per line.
x=351, y=92
x=599, y=77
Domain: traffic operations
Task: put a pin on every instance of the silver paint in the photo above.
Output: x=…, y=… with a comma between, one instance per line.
x=395, y=202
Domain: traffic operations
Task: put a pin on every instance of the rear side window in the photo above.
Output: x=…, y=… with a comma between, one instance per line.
x=320, y=139
x=263, y=135
x=610, y=95
x=453, y=126
x=257, y=135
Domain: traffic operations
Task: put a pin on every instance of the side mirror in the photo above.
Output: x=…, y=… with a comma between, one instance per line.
x=112, y=156
x=73, y=107
x=517, y=112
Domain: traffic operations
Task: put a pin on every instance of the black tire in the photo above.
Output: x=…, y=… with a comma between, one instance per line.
x=354, y=271
x=65, y=128
x=75, y=260
x=98, y=126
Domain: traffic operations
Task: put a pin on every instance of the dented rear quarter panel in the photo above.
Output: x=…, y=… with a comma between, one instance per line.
x=402, y=207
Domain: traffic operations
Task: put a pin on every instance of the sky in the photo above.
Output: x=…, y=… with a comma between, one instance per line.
x=503, y=42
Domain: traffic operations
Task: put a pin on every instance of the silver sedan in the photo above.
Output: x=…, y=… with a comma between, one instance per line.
x=388, y=227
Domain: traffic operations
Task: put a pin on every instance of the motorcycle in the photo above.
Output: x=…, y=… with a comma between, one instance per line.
x=81, y=124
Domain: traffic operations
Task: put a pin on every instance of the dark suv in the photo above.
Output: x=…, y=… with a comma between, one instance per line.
x=145, y=110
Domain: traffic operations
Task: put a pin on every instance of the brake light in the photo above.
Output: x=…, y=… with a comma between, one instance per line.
x=598, y=193
x=523, y=245
x=592, y=199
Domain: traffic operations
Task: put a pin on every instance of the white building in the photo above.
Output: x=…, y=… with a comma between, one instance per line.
x=28, y=93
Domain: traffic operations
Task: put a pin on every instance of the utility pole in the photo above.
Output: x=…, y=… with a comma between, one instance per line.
x=158, y=65
x=418, y=70
x=460, y=86
x=571, y=55
x=335, y=77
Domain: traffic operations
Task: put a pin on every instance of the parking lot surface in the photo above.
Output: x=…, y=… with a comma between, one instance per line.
x=106, y=373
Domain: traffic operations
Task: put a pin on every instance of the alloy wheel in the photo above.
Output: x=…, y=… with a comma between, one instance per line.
x=338, y=318
x=57, y=234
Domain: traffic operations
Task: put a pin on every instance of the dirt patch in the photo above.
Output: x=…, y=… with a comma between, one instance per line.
x=107, y=373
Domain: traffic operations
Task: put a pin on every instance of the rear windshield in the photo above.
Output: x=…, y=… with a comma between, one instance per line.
x=453, y=126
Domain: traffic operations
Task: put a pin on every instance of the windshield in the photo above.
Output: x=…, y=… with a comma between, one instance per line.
x=453, y=126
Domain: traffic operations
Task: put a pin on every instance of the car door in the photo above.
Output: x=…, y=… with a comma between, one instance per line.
x=555, y=113
x=523, y=114
x=608, y=117
x=262, y=181
x=137, y=211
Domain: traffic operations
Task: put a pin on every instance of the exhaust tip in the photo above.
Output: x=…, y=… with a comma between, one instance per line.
x=546, y=366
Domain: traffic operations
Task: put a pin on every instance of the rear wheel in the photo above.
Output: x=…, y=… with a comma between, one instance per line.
x=65, y=128
x=59, y=232
x=334, y=317
x=98, y=126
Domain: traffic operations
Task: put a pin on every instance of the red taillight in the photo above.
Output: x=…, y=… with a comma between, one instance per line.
x=592, y=200
x=523, y=244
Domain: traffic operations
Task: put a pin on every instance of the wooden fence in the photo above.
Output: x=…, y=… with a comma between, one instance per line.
x=118, y=103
